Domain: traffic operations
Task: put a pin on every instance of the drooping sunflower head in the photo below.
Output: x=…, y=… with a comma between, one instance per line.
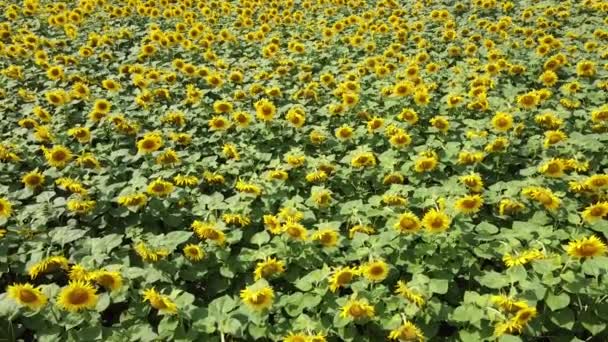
x=160, y=302
x=111, y=280
x=6, y=208
x=408, y=331
x=357, y=309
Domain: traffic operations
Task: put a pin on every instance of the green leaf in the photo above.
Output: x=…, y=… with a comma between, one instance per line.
x=65, y=235
x=556, y=302
x=563, y=318
x=592, y=323
x=509, y=338
x=439, y=286
x=493, y=280
x=260, y=238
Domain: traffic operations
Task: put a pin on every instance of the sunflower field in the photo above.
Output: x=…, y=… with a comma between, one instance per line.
x=303, y=170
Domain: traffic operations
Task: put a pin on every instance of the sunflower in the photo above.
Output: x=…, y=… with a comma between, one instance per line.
x=149, y=143
x=522, y=258
x=160, y=188
x=586, y=247
x=248, y=188
x=241, y=119
x=272, y=224
x=375, y=271
x=82, y=134
x=502, y=122
x=554, y=168
x=193, y=252
x=183, y=180
x=27, y=295
x=150, y=254
x=400, y=140
x=508, y=304
x=441, y=123
x=528, y=100
x=342, y=276
x=268, y=268
x=208, y=231
x=230, y=152
x=58, y=156
x=425, y=164
x=436, y=221
x=111, y=280
x=469, y=204
x=218, y=123
x=597, y=182
x=357, y=309
x=344, y=132
x=265, y=110
x=296, y=337
x=80, y=206
x=508, y=207
x=55, y=73
x=595, y=212
x=6, y=208
x=408, y=115
x=407, y=332
x=361, y=228
x=524, y=315
x=168, y=157
x=236, y=219
x=221, y=107
x=258, y=299
x=48, y=265
x=78, y=295
x=408, y=293
x=295, y=231
x=321, y=197
x=160, y=302
x=363, y=159
x=78, y=272
x=472, y=181
x=543, y=196
x=102, y=106
x=133, y=200
x=327, y=237
x=408, y=223
x=510, y=327
x=111, y=85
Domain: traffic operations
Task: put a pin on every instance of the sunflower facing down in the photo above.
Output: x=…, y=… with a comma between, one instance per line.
x=48, y=265
x=342, y=276
x=78, y=295
x=6, y=208
x=111, y=280
x=27, y=295
x=408, y=331
x=268, y=268
x=357, y=309
x=258, y=299
x=160, y=302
